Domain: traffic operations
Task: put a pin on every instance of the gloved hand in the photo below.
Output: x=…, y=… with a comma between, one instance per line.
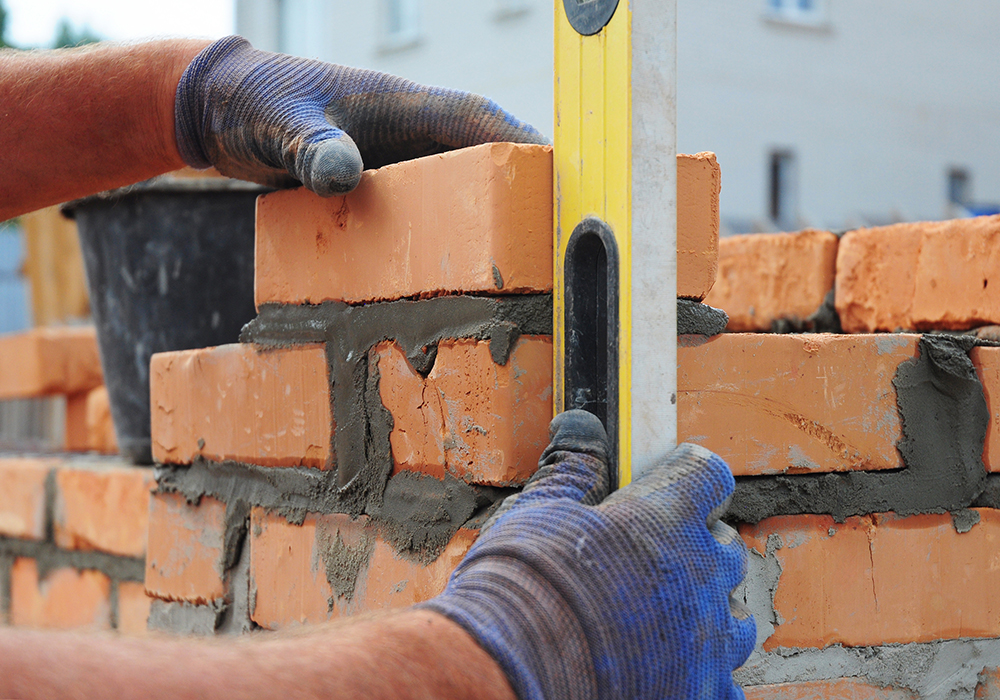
x=580, y=596
x=280, y=120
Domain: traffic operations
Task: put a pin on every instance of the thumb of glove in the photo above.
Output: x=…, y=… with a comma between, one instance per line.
x=574, y=466
x=330, y=166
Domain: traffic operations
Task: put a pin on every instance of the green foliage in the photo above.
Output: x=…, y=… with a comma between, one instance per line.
x=68, y=36
x=3, y=27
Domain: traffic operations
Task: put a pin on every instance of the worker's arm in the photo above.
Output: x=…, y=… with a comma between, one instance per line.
x=78, y=121
x=412, y=654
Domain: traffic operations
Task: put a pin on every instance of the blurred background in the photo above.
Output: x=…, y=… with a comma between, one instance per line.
x=832, y=114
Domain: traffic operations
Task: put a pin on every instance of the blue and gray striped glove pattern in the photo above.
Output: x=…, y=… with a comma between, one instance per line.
x=577, y=594
x=281, y=120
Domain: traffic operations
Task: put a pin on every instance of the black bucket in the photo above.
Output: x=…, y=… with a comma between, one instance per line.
x=170, y=266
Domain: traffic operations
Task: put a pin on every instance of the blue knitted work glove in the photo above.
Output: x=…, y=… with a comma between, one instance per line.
x=580, y=596
x=281, y=120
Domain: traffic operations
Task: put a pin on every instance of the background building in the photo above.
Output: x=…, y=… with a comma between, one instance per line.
x=826, y=113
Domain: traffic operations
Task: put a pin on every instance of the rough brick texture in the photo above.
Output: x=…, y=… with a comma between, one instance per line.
x=767, y=277
x=332, y=566
x=104, y=508
x=699, y=181
x=837, y=689
x=793, y=403
x=267, y=407
x=185, y=559
x=473, y=220
x=482, y=422
x=987, y=362
x=880, y=579
x=989, y=685
x=936, y=275
x=100, y=425
x=65, y=599
x=22, y=497
x=46, y=361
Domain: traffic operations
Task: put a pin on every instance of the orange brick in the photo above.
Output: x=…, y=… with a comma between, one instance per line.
x=133, y=608
x=100, y=426
x=793, y=403
x=185, y=557
x=932, y=275
x=989, y=684
x=699, y=181
x=882, y=579
x=987, y=362
x=22, y=497
x=76, y=439
x=470, y=417
x=46, y=361
x=267, y=407
x=472, y=220
x=65, y=599
x=767, y=277
x=103, y=507
x=393, y=581
x=839, y=689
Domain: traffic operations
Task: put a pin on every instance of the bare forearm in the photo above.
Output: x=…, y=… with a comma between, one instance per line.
x=78, y=121
x=408, y=655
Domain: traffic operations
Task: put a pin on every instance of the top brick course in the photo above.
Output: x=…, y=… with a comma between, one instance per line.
x=46, y=361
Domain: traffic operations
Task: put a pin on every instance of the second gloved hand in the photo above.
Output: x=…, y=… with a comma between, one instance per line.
x=279, y=120
x=580, y=596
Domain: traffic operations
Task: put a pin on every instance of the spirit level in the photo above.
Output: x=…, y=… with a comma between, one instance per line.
x=615, y=337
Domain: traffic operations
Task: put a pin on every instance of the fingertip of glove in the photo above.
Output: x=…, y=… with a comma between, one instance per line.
x=578, y=431
x=331, y=167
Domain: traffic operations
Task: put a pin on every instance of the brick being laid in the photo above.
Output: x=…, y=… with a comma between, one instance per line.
x=771, y=404
x=699, y=181
x=764, y=278
x=931, y=275
x=880, y=579
x=479, y=421
x=47, y=361
x=238, y=402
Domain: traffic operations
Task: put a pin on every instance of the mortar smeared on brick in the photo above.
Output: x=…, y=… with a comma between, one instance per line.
x=694, y=318
x=944, y=415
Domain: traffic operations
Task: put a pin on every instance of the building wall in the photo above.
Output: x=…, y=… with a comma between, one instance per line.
x=876, y=101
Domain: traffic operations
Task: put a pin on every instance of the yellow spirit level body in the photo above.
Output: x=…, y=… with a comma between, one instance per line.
x=615, y=222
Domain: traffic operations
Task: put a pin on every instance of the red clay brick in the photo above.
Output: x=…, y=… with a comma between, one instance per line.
x=881, y=579
x=767, y=277
x=46, y=361
x=931, y=275
x=699, y=181
x=103, y=507
x=987, y=362
x=267, y=407
x=472, y=220
x=100, y=426
x=76, y=438
x=65, y=599
x=288, y=569
x=470, y=417
x=989, y=684
x=133, y=608
x=22, y=497
x=839, y=689
x=793, y=403
x=185, y=557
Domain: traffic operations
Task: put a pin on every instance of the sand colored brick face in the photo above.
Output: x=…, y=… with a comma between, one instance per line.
x=100, y=425
x=838, y=689
x=482, y=422
x=699, y=181
x=793, y=403
x=106, y=509
x=46, y=361
x=473, y=220
x=22, y=497
x=65, y=599
x=766, y=277
x=332, y=566
x=185, y=557
x=267, y=407
x=133, y=608
x=940, y=275
x=881, y=579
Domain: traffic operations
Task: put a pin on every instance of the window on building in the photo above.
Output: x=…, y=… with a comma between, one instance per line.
x=959, y=186
x=783, y=179
x=402, y=21
x=799, y=11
